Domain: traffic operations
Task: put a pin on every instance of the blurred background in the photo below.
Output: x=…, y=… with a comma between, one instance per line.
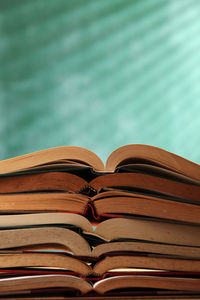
x=99, y=74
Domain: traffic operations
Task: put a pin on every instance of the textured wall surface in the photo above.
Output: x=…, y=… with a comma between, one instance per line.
x=99, y=74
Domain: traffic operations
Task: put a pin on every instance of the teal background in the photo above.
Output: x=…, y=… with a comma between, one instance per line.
x=99, y=74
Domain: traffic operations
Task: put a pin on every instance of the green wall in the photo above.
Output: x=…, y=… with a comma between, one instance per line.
x=99, y=74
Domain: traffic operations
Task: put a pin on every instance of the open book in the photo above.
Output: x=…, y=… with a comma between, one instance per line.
x=158, y=285
x=70, y=157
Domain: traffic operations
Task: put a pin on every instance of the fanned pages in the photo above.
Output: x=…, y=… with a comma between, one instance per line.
x=68, y=239
x=45, y=260
x=124, y=282
x=101, y=287
x=152, y=155
x=59, y=219
x=49, y=181
x=42, y=282
x=153, y=184
x=145, y=262
x=51, y=156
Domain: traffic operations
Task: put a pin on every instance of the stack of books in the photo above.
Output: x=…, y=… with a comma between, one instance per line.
x=71, y=227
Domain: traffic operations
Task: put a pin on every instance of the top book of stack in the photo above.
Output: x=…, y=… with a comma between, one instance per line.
x=148, y=158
